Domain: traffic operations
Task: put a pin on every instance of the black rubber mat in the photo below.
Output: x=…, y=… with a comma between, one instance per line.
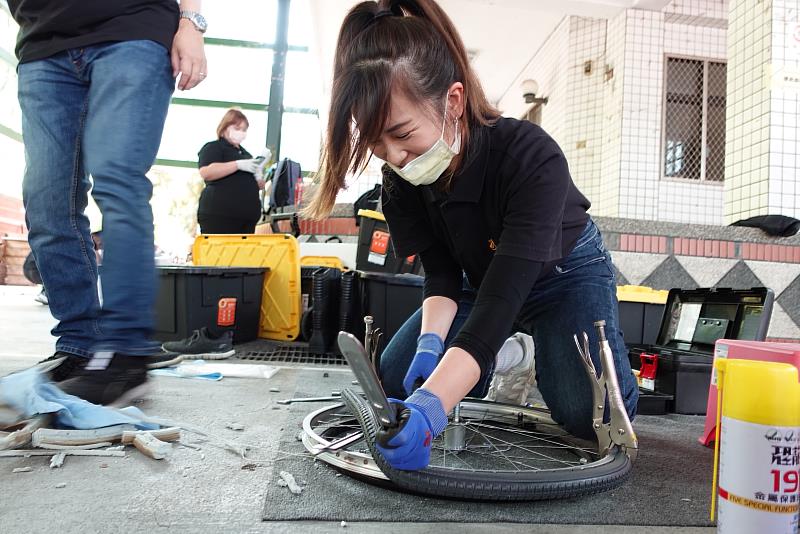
x=670, y=486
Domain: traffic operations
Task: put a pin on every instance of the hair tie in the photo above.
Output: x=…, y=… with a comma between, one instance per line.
x=382, y=13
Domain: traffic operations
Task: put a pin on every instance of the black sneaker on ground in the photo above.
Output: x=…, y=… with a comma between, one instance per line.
x=200, y=345
x=110, y=379
x=62, y=365
x=163, y=359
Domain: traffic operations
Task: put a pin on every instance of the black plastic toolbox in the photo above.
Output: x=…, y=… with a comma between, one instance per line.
x=693, y=321
x=390, y=299
x=219, y=297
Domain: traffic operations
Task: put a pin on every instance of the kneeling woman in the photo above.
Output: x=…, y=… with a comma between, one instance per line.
x=230, y=202
x=489, y=205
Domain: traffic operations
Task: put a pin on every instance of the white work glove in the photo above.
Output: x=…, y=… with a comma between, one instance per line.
x=247, y=165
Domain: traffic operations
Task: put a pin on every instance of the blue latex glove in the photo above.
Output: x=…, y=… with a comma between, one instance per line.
x=429, y=348
x=419, y=419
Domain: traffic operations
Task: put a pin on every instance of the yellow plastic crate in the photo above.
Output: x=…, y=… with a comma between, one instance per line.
x=322, y=261
x=280, y=300
x=643, y=294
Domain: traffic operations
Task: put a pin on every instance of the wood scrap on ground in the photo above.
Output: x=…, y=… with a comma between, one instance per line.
x=151, y=446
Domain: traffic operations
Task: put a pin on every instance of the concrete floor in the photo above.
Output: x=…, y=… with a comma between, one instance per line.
x=205, y=490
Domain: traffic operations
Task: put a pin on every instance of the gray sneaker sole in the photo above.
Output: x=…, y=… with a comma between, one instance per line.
x=209, y=355
x=166, y=363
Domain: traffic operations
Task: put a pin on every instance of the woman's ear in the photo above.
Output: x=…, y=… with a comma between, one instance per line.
x=455, y=100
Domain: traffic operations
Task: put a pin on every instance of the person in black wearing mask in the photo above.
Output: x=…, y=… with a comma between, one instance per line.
x=95, y=82
x=489, y=205
x=230, y=202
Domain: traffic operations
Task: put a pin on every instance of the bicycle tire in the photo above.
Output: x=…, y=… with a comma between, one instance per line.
x=608, y=473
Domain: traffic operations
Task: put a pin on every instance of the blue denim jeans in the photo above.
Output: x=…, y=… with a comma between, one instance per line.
x=577, y=291
x=96, y=111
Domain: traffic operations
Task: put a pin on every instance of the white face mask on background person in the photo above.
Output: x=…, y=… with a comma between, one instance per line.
x=426, y=168
x=235, y=135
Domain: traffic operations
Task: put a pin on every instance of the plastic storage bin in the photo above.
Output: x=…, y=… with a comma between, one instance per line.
x=190, y=298
x=693, y=321
x=375, y=251
x=390, y=299
x=640, y=311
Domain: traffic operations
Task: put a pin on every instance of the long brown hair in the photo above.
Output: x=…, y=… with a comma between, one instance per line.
x=409, y=44
x=231, y=117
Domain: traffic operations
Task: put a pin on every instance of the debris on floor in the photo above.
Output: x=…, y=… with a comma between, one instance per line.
x=61, y=485
x=289, y=481
x=57, y=460
x=151, y=446
x=235, y=426
x=26, y=470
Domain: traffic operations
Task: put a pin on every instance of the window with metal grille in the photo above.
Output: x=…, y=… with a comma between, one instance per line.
x=694, y=119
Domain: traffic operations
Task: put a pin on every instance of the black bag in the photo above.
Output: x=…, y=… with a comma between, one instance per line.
x=284, y=182
x=367, y=201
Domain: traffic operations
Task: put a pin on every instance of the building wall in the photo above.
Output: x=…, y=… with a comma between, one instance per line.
x=687, y=29
x=583, y=138
x=783, y=192
x=748, y=113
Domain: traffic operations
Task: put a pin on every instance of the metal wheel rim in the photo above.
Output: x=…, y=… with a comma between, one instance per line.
x=360, y=462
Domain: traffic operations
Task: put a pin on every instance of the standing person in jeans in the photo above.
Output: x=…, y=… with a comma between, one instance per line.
x=476, y=195
x=95, y=81
x=230, y=203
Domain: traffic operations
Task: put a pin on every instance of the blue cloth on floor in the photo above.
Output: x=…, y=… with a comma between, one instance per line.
x=172, y=371
x=28, y=393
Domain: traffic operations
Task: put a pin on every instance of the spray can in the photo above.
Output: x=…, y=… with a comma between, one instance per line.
x=757, y=451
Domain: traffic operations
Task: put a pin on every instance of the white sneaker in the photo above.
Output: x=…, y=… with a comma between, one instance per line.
x=513, y=386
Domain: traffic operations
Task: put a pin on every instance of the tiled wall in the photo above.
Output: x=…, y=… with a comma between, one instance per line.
x=784, y=179
x=583, y=138
x=748, y=113
x=606, y=201
x=686, y=29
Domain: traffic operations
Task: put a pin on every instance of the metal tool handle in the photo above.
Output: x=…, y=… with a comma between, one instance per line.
x=357, y=357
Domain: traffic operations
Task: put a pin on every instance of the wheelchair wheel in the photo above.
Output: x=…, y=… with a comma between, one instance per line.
x=489, y=452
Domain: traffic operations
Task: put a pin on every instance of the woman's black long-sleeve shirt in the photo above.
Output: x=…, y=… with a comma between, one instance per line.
x=510, y=213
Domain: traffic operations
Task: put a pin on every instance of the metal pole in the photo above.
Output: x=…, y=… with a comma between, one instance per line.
x=275, y=111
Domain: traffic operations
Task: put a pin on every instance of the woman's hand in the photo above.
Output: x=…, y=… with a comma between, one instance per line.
x=188, y=56
x=429, y=348
x=419, y=419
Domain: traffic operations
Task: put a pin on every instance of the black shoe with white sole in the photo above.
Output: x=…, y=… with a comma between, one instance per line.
x=202, y=346
x=110, y=379
x=163, y=359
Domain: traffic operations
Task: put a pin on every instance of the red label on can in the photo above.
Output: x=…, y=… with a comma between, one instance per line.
x=226, y=311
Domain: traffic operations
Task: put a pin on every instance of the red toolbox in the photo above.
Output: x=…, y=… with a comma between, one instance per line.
x=679, y=363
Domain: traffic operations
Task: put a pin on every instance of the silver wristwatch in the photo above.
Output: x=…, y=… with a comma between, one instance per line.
x=197, y=19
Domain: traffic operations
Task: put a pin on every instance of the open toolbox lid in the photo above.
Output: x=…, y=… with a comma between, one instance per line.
x=694, y=319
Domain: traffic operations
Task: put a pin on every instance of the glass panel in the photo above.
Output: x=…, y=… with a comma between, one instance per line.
x=300, y=139
x=235, y=74
x=302, y=88
x=11, y=116
x=244, y=20
x=8, y=31
x=175, y=195
x=683, y=129
x=13, y=166
x=188, y=128
x=715, y=132
x=300, y=23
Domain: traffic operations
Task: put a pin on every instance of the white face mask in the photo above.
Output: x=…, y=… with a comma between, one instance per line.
x=426, y=168
x=236, y=136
